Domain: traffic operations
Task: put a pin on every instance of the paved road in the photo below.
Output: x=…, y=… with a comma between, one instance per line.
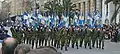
x=110, y=48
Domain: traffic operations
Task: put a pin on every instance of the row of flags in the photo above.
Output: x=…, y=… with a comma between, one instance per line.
x=36, y=17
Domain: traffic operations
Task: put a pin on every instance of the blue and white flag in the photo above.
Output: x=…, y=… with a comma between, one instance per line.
x=89, y=19
x=25, y=16
x=51, y=21
x=35, y=15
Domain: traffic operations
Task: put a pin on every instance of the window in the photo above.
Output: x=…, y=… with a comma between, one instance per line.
x=89, y=5
x=84, y=9
x=79, y=8
x=95, y=3
x=101, y=7
x=107, y=10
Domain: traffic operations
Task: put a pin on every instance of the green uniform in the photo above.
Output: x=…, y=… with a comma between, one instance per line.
x=66, y=40
x=69, y=38
x=40, y=37
x=86, y=39
x=97, y=38
x=46, y=36
x=33, y=35
x=77, y=38
x=82, y=36
x=55, y=38
x=58, y=38
x=90, y=38
x=20, y=35
x=94, y=36
x=62, y=39
x=101, y=40
x=73, y=39
x=37, y=38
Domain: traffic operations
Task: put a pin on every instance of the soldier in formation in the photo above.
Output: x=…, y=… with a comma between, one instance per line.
x=59, y=37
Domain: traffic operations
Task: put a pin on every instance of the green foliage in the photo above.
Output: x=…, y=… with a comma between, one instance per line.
x=56, y=6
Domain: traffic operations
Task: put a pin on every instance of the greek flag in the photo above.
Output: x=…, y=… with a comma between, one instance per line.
x=40, y=16
x=89, y=20
x=25, y=18
x=75, y=20
x=35, y=15
x=25, y=15
x=51, y=21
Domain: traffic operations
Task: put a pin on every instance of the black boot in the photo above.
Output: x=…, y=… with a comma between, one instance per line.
x=72, y=45
x=66, y=48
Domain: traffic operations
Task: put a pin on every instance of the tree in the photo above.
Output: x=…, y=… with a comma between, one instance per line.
x=60, y=7
x=117, y=3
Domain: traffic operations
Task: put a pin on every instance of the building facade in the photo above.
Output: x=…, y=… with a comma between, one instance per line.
x=89, y=6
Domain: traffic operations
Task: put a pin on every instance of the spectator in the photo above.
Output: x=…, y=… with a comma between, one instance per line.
x=8, y=45
x=22, y=49
x=44, y=50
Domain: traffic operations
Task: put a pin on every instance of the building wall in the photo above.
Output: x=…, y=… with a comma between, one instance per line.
x=100, y=6
x=0, y=5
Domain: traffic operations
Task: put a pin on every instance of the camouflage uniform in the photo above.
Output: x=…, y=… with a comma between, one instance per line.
x=62, y=39
x=40, y=36
x=58, y=38
x=101, y=40
x=66, y=40
x=46, y=36
x=82, y=36
x=77, y=38
x=94, y=36
x=90, y=38
x=97, y=38
x=86, y=39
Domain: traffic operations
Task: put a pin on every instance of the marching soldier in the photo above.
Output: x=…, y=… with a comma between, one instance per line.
x=40, y=35
x=66, y=39
x=36, y=37
x=46, y=36
x=69, y=37
x=82, y=35
x=77, y=37
x=58, y=38
x=33, y=35
x=101, y=39
x=29, y=36
x=89, y=38
x=52, y=36
x=94, y=36
x=62, y=39
x=86, y=36
x=55, y=37
x=73, y=37
x=26, y=32
x=49, y=36
x=97, y=38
